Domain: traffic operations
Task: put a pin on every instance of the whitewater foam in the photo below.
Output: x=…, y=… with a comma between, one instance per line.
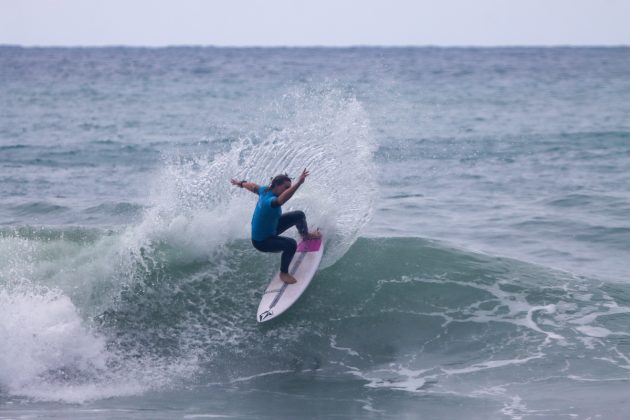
x=42, y=333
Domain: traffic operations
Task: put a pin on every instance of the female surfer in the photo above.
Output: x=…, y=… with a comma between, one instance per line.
x=268, y=222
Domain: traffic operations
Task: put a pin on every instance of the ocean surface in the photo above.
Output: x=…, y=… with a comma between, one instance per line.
x=475, y=201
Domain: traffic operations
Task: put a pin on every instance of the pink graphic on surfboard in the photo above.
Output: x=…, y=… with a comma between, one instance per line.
x=309, y=245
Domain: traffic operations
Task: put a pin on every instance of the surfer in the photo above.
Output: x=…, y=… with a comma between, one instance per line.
x=268, y=222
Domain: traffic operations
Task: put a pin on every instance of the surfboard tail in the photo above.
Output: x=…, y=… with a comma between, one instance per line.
x=279, y=296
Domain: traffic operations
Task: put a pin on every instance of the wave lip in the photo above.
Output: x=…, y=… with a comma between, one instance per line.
x=324, y=130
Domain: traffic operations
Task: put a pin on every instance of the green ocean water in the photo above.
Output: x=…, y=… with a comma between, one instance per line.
x=475, y=203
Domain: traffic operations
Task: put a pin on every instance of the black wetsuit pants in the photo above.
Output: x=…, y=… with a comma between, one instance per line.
x=281, y=243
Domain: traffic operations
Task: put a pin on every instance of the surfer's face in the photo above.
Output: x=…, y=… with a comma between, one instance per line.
x=279, y=189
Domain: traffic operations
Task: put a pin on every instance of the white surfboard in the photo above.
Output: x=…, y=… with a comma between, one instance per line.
x=279, y=296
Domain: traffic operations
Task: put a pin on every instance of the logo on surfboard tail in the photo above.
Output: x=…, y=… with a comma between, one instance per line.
x=264, y=315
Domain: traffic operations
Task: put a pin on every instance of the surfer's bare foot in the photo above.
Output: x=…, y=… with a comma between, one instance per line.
x=287, y=278
x=316, y=234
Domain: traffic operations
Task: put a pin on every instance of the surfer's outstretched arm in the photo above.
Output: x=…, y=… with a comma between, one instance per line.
x=250, y=186
x=285, y=196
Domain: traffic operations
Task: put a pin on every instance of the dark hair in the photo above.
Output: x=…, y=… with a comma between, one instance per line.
x=279, y=180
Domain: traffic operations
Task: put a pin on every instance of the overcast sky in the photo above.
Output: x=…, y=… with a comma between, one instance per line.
x=316, y=22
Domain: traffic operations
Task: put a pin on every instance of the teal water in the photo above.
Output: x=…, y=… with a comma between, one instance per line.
x=475, y=202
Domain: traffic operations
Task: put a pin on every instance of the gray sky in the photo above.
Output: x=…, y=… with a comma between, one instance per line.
x=317, y=22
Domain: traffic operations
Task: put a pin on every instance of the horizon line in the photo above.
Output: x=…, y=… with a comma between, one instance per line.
x=313, y=46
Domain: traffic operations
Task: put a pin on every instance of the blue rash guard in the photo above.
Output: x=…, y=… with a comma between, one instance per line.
x=265, y=218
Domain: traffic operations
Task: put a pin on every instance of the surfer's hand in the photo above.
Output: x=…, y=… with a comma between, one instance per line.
x=236, y=182
x=302, y=177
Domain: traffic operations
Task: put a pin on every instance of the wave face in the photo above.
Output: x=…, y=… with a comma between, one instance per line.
x=391, y=315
